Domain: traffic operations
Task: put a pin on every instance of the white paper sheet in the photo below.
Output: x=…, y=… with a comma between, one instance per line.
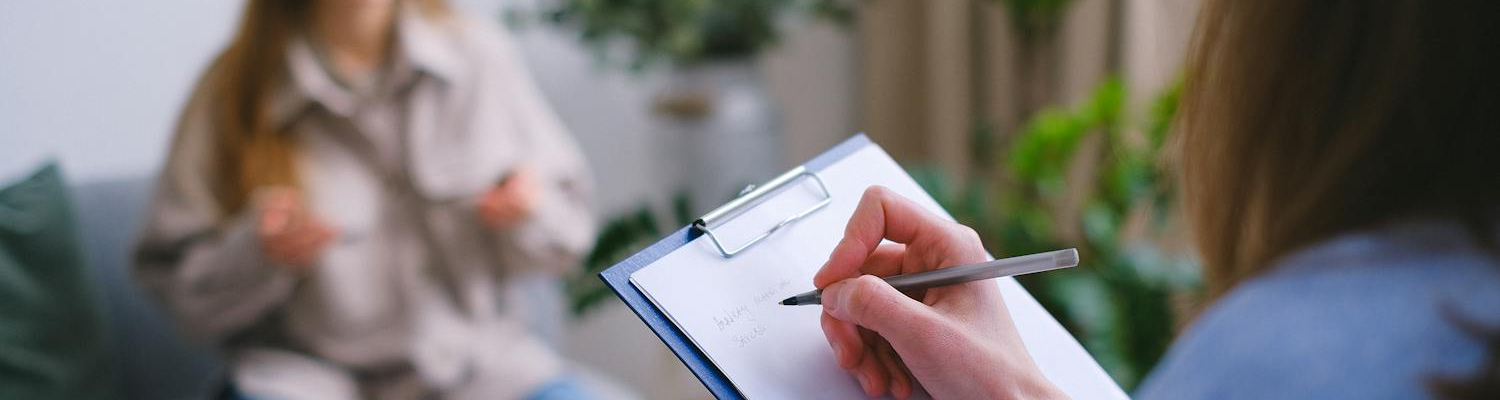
x=727, y=307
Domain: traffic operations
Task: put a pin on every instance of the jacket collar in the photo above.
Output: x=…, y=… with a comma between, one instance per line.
x=423, y=45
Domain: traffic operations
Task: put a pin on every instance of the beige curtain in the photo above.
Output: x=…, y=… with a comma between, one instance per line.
x=930, y=70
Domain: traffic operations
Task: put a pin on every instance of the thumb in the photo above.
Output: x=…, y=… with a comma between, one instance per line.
x=872, y=303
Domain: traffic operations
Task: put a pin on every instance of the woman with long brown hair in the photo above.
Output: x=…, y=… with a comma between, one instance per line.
x=349, y=189
x=1340, y=161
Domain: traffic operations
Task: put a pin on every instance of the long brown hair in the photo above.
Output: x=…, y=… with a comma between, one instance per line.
x=252, y=152
x=1304, y=119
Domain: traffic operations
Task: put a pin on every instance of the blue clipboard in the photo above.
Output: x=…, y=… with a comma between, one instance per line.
x=617, y=278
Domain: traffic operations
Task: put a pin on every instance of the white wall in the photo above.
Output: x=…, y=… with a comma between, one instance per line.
x=98, y=85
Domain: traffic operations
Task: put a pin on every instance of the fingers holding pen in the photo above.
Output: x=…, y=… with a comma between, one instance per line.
x=871, y=372
x=900, y=378
x=881, y=214
x=844, y=338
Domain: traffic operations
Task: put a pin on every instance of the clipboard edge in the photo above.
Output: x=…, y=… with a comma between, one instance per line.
x=617, y=278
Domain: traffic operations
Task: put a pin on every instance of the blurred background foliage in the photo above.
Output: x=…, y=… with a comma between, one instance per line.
x=683, y=32
x=1080, y=177
x=619, y=238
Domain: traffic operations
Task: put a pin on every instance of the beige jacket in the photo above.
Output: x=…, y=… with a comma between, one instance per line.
x=408, y=302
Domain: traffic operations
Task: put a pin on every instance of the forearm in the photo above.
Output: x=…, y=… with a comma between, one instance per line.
x=215, y=285
x=1033, y=386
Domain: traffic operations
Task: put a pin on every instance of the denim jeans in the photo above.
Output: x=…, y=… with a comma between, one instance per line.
x=564, y=388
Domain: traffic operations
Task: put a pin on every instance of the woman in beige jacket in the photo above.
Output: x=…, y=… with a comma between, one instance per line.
x=349, y=186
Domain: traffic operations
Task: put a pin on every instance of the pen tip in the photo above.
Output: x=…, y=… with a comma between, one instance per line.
x=790, y=301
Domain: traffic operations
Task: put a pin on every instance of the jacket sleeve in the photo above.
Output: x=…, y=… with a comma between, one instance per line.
x=204, y=266
x=563, y=227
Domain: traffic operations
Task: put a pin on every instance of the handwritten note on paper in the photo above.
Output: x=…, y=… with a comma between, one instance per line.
x=729, y=307
x=741, y=324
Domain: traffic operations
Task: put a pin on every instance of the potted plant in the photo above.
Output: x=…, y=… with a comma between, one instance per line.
x=712, y=110
x=685, y=32
x=1134, y=287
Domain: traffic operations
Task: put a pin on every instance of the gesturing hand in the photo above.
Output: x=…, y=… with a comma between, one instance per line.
x=289, y=234
x=512, y=201
x=958, y=342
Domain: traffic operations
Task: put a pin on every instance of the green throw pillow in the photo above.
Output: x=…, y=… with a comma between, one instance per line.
x=52, y=343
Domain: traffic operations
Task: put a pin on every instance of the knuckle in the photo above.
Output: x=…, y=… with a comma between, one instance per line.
x=963, y=239
x=868, y=282
x=859, y=297
x=873, y=303
x=966, y=234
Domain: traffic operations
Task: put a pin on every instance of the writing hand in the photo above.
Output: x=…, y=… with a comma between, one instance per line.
x=957, y=342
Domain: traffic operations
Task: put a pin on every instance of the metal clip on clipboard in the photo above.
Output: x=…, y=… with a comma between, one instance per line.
x=754, y=197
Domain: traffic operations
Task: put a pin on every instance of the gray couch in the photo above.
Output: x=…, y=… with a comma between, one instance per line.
x=155, y=361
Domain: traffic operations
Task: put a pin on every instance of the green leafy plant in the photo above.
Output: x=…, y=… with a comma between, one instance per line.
x=685, y=31
x=1074, y=177
x=621, y=236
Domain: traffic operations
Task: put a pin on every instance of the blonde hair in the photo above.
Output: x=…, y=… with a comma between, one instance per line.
x=252, y=152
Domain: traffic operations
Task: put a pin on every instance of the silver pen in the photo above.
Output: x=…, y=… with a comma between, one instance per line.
x=907, y=283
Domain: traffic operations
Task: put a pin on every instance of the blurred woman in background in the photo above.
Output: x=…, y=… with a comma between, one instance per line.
x=348, y=189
